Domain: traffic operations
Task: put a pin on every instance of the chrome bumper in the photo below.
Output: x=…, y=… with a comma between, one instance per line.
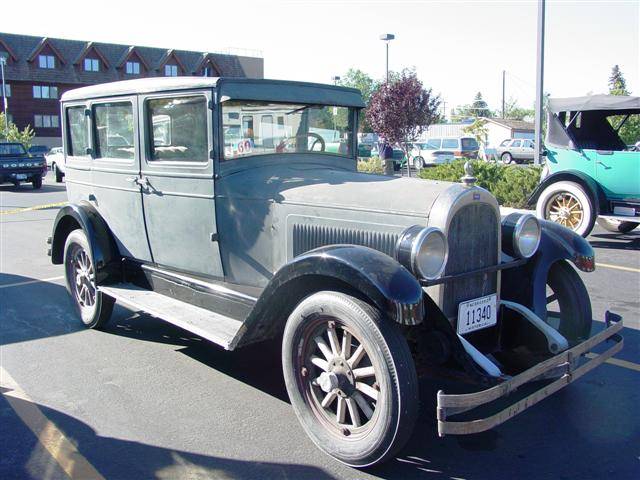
x=564, y=362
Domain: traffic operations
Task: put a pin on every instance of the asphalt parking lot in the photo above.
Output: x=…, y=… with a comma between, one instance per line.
x=144, y=399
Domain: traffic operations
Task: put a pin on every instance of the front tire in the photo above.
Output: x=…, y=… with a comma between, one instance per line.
x=568, y=303
x=37, y=183
x=93, y=307
x=568, y=204
x=58, y=173
x=616, y=226
x=350, y=378
x=418, y=163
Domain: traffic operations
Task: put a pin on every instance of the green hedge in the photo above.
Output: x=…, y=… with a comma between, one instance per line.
x=510, y=184
x=370, y=165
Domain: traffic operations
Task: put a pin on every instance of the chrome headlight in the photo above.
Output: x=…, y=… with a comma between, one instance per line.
x=423, y=251
x=521, y=235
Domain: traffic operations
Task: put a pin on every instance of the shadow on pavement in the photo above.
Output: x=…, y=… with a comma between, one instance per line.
x=588, y=430
x=27, y=187
x=124, y=459
x=616, y=241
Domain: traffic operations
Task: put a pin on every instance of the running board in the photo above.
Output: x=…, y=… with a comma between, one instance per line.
x=211, y=326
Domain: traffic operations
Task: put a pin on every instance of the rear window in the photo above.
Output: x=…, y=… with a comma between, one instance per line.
x=469, y=144
x=450, y=143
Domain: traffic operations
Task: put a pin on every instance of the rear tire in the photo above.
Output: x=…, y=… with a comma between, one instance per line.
x=418, y=163
x=507, y=158
x=616, y=226
x=93, y=307
x=568, y=204
x=329, y=379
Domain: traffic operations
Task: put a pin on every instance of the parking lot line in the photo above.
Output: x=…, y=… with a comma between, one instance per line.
x=35, y=207
x=49, y=436
x=618, y=267
x=29, y=282
x=617, y=362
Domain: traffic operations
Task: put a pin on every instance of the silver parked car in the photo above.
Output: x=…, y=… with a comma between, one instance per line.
x=516, y=150
x=233, y=209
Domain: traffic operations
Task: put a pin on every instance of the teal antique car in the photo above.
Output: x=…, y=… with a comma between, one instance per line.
x=591, y=173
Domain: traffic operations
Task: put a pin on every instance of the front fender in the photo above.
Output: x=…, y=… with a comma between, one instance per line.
x=585, y=181
x=527, y=284
x=103, y=249
x=360, y=270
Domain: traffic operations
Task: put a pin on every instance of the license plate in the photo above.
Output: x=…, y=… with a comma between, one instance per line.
x=477, y=313
x=21, y=176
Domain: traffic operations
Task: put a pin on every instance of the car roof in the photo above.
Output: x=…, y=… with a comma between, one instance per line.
x=229, y=89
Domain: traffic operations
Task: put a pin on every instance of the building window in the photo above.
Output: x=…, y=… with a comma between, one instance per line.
x=46, y=61
x=46, y=121
x=133, y=68
x=45, y=91
x=207, y=72
x=170, y=70
x=91, y=65
x=7, y=90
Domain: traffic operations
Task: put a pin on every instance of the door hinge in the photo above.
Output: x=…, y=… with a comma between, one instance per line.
x=214, y=237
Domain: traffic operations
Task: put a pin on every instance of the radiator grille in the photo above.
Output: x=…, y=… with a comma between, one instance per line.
x=473, y=244
x=308, y=237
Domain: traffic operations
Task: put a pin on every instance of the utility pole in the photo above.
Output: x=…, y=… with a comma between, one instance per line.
x=5, y=103
x=503, y=75
x=444, y=110
x=539, y=82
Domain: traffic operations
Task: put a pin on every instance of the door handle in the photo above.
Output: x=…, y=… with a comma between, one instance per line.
x=142, y=182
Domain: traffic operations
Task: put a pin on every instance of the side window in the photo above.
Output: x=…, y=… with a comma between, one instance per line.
x=528, y=144
x=77, y=131
x=113, y=127
x=434, y=143
x=516, y=143
x=179, y=129
x=450, y=143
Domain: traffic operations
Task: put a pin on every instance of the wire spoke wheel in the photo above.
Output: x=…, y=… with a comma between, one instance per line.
x=565, y=209
x=339, y=378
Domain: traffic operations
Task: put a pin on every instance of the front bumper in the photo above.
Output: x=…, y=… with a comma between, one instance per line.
x=565, y=363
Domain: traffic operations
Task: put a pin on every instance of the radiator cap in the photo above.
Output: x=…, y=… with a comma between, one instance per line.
x=469, y=180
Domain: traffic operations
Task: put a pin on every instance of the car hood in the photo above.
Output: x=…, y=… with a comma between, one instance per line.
x=316, y=186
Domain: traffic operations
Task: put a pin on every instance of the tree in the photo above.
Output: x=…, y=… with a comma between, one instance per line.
x=479, y=131
x=478, y=108
x=630, y=130
x=355, y=78
x=12, y=134
x=617, y=83
x=401, y=110
x=513, y=111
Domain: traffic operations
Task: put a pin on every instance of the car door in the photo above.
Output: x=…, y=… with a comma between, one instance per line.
x=178, y=181
x=515, y=149
x=618, y=173
x=115, y=167
x=527, y=150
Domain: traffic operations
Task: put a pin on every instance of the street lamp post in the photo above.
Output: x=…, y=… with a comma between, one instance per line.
x=5, y=104
x=386, y=38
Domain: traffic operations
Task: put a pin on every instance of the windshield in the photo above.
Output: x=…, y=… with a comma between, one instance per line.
x=12, y=149
x=260, y=128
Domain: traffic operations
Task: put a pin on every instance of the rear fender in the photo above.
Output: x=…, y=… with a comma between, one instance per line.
x=104, y=251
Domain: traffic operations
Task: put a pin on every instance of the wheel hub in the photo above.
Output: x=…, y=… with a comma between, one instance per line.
x=339, y=378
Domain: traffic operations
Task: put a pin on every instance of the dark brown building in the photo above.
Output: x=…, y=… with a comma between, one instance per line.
x=39, y=70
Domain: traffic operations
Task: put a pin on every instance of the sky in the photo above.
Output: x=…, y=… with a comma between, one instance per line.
x=456, y=47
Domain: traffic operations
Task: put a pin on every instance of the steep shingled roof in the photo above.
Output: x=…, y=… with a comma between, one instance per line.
x=24, y=47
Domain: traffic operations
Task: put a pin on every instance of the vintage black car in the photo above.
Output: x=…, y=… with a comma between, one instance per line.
x=17, y=165
x=233, y=209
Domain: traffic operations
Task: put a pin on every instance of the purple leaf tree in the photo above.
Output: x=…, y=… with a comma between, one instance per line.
x=401, y=110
